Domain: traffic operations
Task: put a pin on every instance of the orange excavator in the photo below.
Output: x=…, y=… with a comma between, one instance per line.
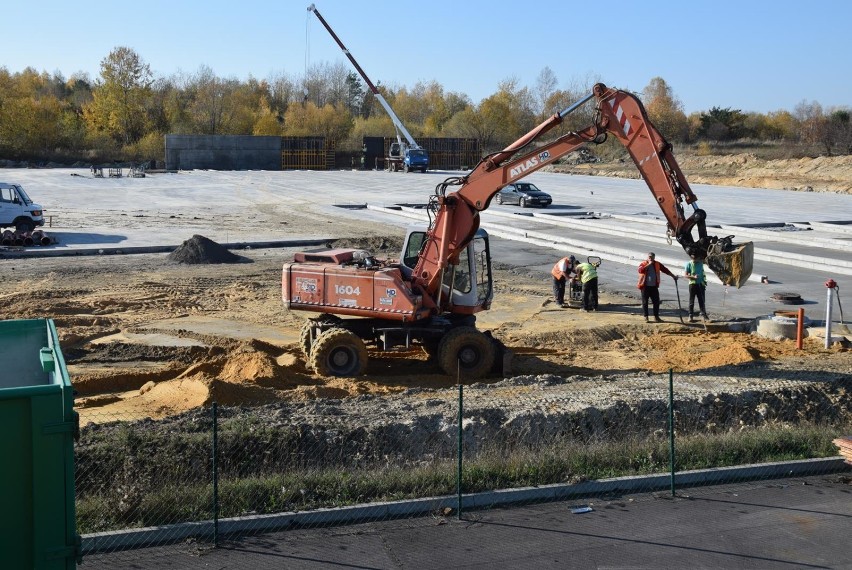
x=430, y=296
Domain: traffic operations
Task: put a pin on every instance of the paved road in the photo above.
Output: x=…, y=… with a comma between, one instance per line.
x=784, y=524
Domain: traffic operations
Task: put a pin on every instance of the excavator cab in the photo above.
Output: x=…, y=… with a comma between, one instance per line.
x=468, y=285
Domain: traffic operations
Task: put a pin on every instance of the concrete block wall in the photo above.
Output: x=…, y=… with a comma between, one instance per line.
x=223, y=152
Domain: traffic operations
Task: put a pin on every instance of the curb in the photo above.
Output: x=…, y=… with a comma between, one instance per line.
x=155, y=249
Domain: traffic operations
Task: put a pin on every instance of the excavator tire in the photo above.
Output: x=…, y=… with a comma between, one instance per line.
x=733, y=267
x=339, y=352
x=466, y=351
x=305, y=339
x=305, y=332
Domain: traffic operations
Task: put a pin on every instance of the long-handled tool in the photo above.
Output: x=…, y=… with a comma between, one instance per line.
x=679, y=307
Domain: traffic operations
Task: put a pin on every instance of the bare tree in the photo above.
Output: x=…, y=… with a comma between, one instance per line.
x=545, y=86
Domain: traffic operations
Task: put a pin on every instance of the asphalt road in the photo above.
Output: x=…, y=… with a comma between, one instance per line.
x=784, y=524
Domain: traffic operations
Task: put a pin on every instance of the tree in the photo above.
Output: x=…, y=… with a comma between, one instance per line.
x=811, y=121
x=326, y=84
x=665, y=110
x=776, y=125
x=837, y=132
x=309, y=120
x=545, y=87
x=36, y=118
x=722, y=124
x=505, y=116
x=354, y=94
x=118, y=106
x=268, y=122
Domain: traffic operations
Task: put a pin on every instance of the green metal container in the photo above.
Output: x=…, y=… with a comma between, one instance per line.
x=37, y=429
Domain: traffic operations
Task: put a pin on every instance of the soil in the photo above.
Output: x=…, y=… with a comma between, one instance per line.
x=147, y=337
x=822, y=174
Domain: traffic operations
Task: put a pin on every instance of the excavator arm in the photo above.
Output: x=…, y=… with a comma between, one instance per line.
x=618, y=113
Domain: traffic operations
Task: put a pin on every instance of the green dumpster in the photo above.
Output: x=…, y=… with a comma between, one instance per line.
x=37, y=430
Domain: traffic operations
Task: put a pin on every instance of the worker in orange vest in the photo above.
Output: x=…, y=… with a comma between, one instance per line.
x=650, y=274
x=561, y=273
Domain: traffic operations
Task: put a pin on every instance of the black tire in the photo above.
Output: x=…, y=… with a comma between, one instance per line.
x=24, y=225
x=499, y=200
x=466, y=350
x=305, y=332
x=522, y=202
x=423, y=170
x=305, y=339
x=339, y=352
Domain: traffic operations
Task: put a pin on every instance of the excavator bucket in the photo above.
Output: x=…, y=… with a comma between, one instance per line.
x=733, y=265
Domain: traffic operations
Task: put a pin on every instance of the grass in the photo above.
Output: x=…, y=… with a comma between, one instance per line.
x=145, y=502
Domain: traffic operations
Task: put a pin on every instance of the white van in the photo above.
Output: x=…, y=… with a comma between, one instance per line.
x=17, y=210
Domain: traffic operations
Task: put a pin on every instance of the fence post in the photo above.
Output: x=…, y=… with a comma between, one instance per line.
x=671, y=430
x=459, y=462
x=215, y=477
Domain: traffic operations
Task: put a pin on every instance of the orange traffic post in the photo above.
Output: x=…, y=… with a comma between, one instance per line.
x=800, y=328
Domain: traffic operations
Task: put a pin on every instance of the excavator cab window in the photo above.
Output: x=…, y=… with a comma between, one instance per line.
x=412, y=249
x=482, y=261
x=461, y=280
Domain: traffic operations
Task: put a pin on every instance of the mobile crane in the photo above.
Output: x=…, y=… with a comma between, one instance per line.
x=401, y=155
x=431, y=295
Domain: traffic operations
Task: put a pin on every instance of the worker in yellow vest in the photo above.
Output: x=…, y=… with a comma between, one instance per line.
x=588, y=274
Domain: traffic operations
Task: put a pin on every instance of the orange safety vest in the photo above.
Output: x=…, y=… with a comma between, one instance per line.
x=562, y=268
x=658, y=267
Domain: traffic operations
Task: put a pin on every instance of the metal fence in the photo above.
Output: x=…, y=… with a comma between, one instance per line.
x=226, y=471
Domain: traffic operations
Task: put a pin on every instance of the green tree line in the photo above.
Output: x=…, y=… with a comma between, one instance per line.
x=125, y=112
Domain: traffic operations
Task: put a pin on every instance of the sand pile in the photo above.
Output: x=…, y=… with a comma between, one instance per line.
x=199, y=250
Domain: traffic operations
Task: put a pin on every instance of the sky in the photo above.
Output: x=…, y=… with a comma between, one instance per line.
x=751, y=55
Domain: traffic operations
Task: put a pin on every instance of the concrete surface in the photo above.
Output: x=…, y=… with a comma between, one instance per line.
x=807, y=248
x=784, y=523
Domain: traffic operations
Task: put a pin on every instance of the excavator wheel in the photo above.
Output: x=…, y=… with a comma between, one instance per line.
x=305, y=332
x=305, y=339
x=339, y=352
x=466, y=351
x=732, y=263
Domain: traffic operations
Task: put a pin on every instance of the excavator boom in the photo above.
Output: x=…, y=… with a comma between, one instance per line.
x=619, y=114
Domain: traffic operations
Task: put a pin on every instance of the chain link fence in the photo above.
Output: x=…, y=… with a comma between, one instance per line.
x=224, y=471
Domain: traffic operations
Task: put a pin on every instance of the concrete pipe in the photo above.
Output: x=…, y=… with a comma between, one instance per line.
x=41, y=238
x=28, y=239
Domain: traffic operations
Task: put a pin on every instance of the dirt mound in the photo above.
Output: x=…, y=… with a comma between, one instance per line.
x=199, y=249
x=685, y=353
x=376, y=245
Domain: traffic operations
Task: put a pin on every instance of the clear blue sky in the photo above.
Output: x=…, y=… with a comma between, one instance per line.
x=751, y=55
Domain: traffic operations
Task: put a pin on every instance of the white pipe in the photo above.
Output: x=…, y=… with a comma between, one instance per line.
x=828, y=303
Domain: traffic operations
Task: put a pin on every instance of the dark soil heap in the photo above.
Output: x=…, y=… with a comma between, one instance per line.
x=198, y=249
